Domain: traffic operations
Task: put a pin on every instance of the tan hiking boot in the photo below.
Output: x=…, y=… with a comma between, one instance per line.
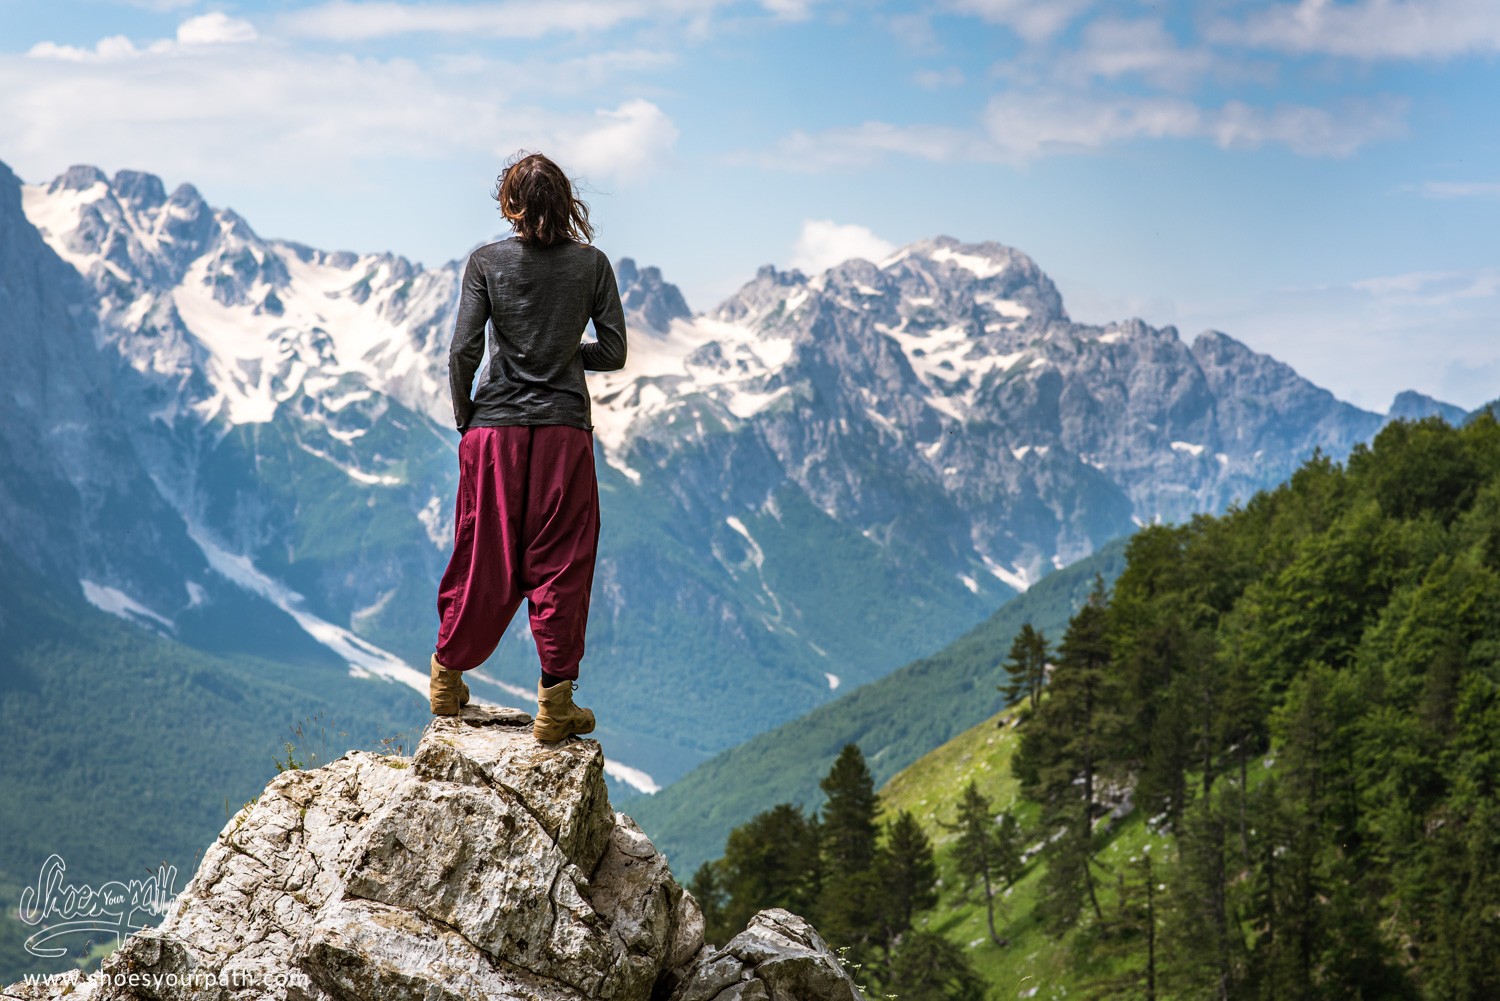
x=556, y=715
x=447, y=690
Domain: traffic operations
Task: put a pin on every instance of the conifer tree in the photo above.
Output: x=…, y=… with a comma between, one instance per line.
x=848, y=815
x=1065, y=752
x=1026, y=667
x=1128, y=945
x=927, y=967
x=907, y=875
x=1205, y=940
x=849, y=905
x=707, y=888
x=986, y=851
x=772, y=861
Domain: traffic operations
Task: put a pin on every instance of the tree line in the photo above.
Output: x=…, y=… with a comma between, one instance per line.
x=860, y=882
x=1304, y=696
x=1300, y=699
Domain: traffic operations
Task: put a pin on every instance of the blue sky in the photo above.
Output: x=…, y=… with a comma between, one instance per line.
x=1320, y=179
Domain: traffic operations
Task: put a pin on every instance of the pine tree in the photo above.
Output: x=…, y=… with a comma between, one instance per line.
x=1026, y=667
x=708, y=889
x=1206, y=941
x=849, y=814
x=772, y=861
x=985, y=851
x=1065, y=752
x=1128, y=944
x=849, y=905
x=927, y=967
x=907, y=874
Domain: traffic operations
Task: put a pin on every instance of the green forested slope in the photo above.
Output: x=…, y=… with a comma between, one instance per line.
x=125, y=749
x=1265, y=766
x=893, y=720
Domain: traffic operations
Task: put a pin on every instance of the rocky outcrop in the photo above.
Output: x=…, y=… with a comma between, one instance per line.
x=778, y=957
x=487, y=865
x=651, y=302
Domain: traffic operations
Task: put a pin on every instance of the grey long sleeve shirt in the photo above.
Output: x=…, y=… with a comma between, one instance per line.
x=537, y=301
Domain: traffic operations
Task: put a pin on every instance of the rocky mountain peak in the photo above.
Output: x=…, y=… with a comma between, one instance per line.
x=1412, y=405
x=487, y=865
x=79, y=177
x=651, y=302
x=933, y=283
x=192, y=296
x=145, y=191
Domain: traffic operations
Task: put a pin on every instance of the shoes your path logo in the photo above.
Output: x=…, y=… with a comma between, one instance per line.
x=68, y=909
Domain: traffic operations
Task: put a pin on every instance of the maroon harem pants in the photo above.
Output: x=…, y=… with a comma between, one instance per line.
x=526, y=525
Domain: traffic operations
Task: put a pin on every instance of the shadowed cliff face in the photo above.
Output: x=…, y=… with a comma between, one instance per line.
x=488, y=865
x=74, y=501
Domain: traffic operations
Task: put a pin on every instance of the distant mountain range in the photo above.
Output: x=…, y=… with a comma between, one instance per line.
x=243, y=445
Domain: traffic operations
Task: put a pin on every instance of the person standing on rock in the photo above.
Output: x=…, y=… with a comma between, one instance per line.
x=526, y=523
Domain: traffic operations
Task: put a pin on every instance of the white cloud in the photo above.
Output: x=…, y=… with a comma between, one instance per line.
x=160, y=6
x=824, y=243
x=1433, y=288
x=868, y=143
x=300, y=117
x=1461, y=189
x=950, y=76
x=790, y=10
x=624, y=144
x=111, y=49
x=1111, y=48
x=348, y=20
x=177, y=105
x=1309, y=131
x=217, y=28
x=1370, y=29
x=207, y=29
x=1033, y=20
x=1027, y=126
x=1021, y=126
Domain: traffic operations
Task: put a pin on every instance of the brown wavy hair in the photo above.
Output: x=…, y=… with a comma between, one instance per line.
x=538, y=200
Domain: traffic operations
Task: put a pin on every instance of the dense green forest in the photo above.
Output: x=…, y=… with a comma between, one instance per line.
x=1296, y=705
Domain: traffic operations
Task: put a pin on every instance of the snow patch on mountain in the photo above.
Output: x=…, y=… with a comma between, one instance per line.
x=982, y=266
x=727, y=362
x=119, y=604
x=1016, y=577
x=437, y=521
x=365, y=659
x=270, y=318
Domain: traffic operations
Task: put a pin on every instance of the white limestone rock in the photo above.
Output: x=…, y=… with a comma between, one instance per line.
x=488, y=865
x=778, y=957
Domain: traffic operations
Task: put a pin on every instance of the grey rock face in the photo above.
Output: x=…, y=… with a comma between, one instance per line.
x=487, y=865
x=778, y=957
x=943, y=397
x=650, y=302
x=1413, y=406
x=71, y=469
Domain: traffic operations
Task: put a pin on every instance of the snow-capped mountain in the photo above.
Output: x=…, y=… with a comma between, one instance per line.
x=230, y=326
x=803, y=488
x=943, y=394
